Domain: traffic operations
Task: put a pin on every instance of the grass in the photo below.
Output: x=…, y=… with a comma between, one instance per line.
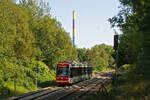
x=135, y=91
x=128, y=86
x=95, y=71
x=7, y=88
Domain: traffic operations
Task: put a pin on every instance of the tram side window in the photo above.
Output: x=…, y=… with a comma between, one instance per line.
x=83, y=70
x=71, y=72
x=80, y=71
x=76, y=71
x=88, y=70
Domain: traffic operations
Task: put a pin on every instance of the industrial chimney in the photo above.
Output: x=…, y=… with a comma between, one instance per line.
x=73, y=34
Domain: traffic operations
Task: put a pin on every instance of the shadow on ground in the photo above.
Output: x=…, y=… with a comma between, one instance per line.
x=47, y=84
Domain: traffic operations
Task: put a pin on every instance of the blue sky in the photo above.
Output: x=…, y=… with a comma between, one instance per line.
x=92, y=26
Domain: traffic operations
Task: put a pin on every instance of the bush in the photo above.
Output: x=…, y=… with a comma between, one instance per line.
x=23, y=72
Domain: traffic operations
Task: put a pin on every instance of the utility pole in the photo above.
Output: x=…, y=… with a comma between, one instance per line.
x=116, y=37
x=36, y=70
x=15, y=84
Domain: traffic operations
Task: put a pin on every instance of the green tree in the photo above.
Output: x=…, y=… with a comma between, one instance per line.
x=16, y=37
x=29, y=39
x=99, y=56
x=82, y=55
x=133, y=20
x=53, y=43
x=135, y=29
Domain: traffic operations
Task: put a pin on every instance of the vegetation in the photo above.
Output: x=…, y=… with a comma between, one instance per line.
x=32, y=42
x=99, y=56
x=133, y=20
x=132, y=56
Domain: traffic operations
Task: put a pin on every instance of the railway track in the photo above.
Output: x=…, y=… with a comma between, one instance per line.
x=73, y=92
x=35, y=94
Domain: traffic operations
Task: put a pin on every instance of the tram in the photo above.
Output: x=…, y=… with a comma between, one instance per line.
x=72, y=72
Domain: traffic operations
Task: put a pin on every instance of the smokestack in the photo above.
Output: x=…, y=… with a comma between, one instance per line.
x=73, y=35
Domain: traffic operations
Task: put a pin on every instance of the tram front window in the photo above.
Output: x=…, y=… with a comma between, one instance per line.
x=62, y=71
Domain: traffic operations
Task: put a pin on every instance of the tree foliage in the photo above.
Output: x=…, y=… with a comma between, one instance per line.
x=134, y=43
x=133, y=20
x=99, y=56
x=31, y=39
